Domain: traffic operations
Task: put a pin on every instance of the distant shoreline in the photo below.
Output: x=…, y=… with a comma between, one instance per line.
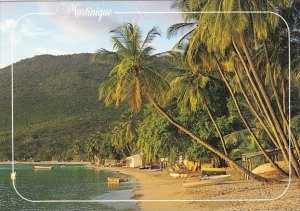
x=45, y=163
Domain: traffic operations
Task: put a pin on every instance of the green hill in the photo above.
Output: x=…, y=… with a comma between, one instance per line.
x=55, y=104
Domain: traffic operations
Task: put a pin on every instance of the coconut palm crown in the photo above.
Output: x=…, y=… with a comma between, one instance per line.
x=133, y=74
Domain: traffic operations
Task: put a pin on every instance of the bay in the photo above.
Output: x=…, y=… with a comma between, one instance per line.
x=62, y=183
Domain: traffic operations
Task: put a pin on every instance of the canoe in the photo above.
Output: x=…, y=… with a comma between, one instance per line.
x=268, y=171
x=213, y=169
x=43, y=167
x=185, y=175
x=212, y=180
x=175, y=175
x=178, y=175
x=116, y=179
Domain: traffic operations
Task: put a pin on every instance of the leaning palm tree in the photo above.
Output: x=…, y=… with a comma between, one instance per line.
x=245, y=35
x=134, y=76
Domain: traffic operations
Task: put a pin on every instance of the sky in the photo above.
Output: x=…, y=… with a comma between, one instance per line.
x=34, y=28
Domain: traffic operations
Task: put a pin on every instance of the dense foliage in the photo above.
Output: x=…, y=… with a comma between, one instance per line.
x=221, y=92
x=55, y=105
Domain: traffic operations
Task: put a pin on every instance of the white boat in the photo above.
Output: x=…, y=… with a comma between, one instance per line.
x=212, y=180
x=116, y=179
x=175, y=175
x=43, y=167
x=13, y=175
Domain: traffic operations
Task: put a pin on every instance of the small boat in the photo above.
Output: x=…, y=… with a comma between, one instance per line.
x=175, y=175
x=213, y=169
x=212, y=180
x=267, y=170
x=43, y=167
x=116, y=179
x=13, y=175
x=178, y=175
x=185, y=175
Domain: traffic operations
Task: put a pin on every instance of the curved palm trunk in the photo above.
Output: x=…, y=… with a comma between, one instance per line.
x=206, y=145
x=261, y=104
x=256, y=94
x=282, y=89
x=280, y=107
x=278, y=169
x=283, y=95
x=216, y=126
x=254, y=111
x=268, y=103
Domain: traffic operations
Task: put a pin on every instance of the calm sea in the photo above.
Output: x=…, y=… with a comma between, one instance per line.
x=62, y=183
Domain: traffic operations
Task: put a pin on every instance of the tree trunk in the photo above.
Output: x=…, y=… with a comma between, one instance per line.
x=206, y=145
x=257, y=96
x=278, y=169
x=280, y=107
x=283, y=95
x=249, y=103
x=268, y=103
x=261, y=104
x=216, y=126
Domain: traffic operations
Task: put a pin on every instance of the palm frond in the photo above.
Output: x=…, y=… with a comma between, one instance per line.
x=135, y=95
x=153, y=33
x=180, y=27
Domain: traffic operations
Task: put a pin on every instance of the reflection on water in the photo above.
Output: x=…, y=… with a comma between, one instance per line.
x=70, y=182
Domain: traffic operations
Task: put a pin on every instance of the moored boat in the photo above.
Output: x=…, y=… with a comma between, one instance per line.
x=185, y=175
x=13, y=175
x=116, y=179
x=267, y=170
x=212, y=180
x=43, y=167
x=213, y=169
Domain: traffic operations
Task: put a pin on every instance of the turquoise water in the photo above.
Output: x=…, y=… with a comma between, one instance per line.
x=67, y=183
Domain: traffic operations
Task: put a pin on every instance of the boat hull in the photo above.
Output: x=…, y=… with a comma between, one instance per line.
x=213, y=180
x=43, y=167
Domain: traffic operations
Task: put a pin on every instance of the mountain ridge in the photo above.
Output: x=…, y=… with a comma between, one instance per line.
x=55, y=104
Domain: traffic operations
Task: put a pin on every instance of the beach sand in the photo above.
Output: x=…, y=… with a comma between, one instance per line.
x=160, y=186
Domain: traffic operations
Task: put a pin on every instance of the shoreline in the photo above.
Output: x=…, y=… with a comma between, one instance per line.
x=156, y=185
x=45, y=163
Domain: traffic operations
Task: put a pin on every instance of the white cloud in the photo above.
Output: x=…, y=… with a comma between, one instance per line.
x=28, y=29
x=7, y=25
x=49, y=51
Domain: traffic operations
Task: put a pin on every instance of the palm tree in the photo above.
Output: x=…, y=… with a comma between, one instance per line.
x=92, y=147
x=134, y=76
x=189, y=86
x=238, y=31
x=124, y=134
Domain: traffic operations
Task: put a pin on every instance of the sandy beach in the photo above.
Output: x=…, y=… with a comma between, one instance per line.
x=158, y=185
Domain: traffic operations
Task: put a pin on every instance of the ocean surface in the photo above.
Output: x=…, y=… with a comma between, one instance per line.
x=62, y=183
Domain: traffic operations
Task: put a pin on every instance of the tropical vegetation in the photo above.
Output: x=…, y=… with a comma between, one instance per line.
x=219, y=93
x=244, y=55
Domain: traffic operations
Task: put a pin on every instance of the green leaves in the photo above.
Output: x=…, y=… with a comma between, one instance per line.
x=133, y=73
x=152, y=34
x=135, y=95
x=189, y=90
